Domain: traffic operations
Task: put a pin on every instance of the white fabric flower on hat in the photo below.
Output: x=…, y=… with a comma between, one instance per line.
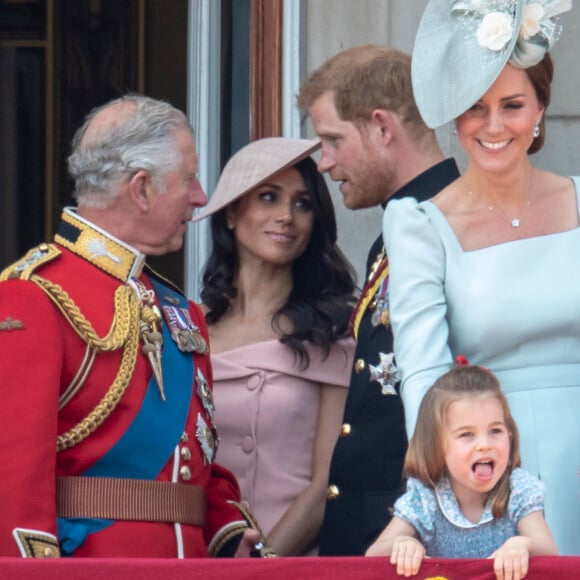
x=495, y=31
x=531, y=18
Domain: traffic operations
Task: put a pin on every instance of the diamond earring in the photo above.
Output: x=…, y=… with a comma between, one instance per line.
x=537, y=130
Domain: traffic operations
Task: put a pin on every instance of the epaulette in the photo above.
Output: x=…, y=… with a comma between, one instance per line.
x=25, y=267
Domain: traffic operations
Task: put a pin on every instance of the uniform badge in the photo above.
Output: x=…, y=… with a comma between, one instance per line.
x=205, y=394
x=385, y=373
x=184, y=332
x=207, y=439
x=11, y=324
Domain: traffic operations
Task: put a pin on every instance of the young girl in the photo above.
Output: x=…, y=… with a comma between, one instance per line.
x=466, y=495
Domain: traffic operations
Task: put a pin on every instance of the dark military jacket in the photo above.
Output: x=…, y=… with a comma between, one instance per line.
x=366, y=469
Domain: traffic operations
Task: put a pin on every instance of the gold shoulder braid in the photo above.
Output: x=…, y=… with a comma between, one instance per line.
x=124, y=332
x=120, y=328
x=136, y=316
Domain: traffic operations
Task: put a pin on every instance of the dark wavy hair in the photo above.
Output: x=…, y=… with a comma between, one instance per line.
x=322, y=296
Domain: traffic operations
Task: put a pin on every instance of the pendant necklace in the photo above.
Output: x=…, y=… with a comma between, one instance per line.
x=515, y=221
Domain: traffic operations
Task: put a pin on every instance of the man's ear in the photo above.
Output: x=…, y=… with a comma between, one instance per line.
x=141, y=190
x=384, y=122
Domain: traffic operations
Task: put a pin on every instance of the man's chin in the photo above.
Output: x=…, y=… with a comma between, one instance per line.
x=352, y=202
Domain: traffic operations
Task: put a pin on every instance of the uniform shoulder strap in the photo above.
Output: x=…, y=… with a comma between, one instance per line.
x=25, y=267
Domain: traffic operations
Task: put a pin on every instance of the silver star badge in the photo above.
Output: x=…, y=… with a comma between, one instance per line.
x=385, y=373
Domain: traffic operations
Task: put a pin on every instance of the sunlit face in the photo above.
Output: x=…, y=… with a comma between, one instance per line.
x=477, y=446
x=173, y=204
x=354, y=159
x=273, y=223
x=497, y=131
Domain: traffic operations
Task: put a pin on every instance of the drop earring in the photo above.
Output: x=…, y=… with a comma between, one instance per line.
x=537, y=130
x=455, y=131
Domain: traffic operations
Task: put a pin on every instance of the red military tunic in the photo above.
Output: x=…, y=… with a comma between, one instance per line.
x=46, y=364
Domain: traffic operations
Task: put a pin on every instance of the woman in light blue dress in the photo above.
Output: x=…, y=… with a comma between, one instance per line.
x=490, y=267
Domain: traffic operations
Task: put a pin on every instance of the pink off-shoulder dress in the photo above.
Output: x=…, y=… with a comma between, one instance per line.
x=266, y=415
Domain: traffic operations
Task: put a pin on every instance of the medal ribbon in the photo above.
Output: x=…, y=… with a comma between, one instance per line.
x=367, y=295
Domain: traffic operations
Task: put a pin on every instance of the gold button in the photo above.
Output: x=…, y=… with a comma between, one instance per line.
x=359, y=366
x=185, y=453
x=332, y=492
x=50, y=552
x=345, y=430
x=185, y=473
x=184, y=438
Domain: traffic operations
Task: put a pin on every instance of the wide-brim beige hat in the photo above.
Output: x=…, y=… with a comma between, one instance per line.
x=253, y=165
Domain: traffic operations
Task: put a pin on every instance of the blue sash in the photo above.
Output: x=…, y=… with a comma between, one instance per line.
x=149, y=441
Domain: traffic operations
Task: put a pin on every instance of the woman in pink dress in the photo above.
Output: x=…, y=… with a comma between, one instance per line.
x=278, y=294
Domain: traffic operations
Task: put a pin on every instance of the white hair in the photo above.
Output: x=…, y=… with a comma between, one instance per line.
x=144, y=139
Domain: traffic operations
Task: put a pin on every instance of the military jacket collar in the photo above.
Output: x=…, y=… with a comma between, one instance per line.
x=98, y=247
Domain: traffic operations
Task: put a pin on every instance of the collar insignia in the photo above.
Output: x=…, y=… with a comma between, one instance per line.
x=98, y=247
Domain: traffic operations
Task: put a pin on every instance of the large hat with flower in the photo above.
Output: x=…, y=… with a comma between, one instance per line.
x=462, y=46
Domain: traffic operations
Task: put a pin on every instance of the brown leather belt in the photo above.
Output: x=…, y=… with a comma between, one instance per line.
x=114, y=498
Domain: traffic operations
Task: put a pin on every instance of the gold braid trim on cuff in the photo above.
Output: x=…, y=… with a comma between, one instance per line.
x=225, y=535
x=263, y=549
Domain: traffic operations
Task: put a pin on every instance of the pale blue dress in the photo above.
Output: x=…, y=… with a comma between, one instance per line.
x=514, y=308
x=444, y=530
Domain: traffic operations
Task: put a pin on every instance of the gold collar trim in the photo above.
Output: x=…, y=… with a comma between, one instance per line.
x=98, y=246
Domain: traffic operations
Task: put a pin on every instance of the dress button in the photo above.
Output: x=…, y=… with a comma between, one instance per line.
x=359, y=366
x=184, y=438
x=248, y=444
x=345, y=430
x=254, y=382
x=185, y=454
x=332, y=492
x=185, y=473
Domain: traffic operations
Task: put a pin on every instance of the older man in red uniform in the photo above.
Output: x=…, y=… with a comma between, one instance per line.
x=107, y=412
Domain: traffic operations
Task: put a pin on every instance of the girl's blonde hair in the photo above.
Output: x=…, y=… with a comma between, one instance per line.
x=425, y=459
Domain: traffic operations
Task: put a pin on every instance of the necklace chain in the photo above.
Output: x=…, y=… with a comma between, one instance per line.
x=515, y=221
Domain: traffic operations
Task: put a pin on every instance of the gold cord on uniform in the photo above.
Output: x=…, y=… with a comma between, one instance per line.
x=150, y=328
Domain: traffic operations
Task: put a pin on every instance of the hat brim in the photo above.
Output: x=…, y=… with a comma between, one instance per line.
x=254, y=165
x=450, y=70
